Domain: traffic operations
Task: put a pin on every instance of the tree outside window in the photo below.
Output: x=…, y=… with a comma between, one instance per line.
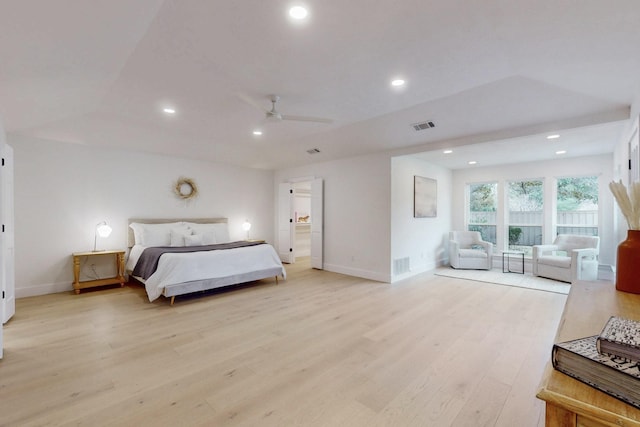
x=483, y=205
x=577, y=206
x=525, y=200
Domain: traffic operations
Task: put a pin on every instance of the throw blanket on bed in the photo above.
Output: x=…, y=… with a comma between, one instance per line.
x=148, y=261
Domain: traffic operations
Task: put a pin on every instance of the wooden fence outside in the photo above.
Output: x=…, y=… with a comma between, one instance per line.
x=525, y=228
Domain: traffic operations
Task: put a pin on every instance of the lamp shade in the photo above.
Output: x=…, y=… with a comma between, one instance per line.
x=102, y=230
x=246, y=226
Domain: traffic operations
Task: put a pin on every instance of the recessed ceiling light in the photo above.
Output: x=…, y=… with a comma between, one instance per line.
x=448, y=151
x=298, y=12
x=169, y=110
x=397, y=82
x=561, y=152
x=555, y=136
x=472, y=162
x=257, y=132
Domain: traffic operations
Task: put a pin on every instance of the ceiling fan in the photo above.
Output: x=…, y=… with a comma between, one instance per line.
x=274, y=115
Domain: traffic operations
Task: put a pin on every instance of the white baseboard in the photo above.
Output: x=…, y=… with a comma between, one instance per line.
x=606, y=272
x=365, y=274
x=415, y=270
x=44, y=289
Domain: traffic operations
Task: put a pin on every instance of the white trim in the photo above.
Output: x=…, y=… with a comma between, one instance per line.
x=301, y=179
x=356, y=272
x=44, y=289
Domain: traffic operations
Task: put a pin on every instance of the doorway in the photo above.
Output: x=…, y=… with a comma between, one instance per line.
x=302, y=218
x=300, y=221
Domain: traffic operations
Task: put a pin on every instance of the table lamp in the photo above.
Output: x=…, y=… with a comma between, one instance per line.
x=102, y=230
x=246, y=227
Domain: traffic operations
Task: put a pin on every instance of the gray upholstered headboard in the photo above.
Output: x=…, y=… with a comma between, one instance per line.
x=131, y=240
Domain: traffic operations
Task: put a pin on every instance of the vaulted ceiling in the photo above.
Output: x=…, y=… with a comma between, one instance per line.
x=100, y=72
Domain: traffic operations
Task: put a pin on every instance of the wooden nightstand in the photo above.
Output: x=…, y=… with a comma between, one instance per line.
x=118, y=278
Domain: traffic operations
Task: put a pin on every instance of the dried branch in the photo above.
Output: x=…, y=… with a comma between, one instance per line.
x=629, y=202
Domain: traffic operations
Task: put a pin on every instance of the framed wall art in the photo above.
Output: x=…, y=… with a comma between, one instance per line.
x=425, y=197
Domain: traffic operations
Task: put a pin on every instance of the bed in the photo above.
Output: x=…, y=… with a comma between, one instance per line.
x=192, y=255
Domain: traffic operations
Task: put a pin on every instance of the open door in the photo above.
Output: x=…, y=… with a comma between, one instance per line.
x=7, y=246
x=285, y=223
x=2, y=240
x=1, y=344
x=317, y=215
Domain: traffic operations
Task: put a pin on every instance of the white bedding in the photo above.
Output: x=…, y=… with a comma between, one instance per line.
x=176, y=268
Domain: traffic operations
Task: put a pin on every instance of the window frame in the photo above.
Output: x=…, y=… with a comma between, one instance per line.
x=508, y=224
x=556, y=213
x=468, y=214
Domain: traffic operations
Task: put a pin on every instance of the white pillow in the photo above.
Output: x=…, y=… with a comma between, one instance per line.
x=156, y=237
x=137, y=232
x=178, y=235
x=154, y=234
x=208, y=237
x=193, y=240
x=221, y=230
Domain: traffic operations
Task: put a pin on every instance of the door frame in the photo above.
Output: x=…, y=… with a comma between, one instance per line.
x=286, y=224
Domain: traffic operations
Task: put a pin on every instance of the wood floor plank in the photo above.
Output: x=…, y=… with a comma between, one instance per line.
x=317, y=349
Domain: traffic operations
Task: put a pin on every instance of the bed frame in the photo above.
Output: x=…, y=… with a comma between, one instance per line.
x=171, y=291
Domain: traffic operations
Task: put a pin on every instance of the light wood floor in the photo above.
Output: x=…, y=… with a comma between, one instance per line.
x=320, y=349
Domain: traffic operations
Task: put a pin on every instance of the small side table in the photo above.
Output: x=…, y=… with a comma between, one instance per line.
x=118, y=256
x=506, y=261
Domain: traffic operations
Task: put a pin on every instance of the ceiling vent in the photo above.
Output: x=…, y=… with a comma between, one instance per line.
x=422, y=126
x=313, y=151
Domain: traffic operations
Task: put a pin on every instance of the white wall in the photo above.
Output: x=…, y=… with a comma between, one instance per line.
x=629, y=141
x=600, y=166
x=357, y=216
x=63, y=190
x=423, y=240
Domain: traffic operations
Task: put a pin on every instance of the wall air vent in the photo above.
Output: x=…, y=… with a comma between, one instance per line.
x=313, y=151
x=401, y=265
x=422, y=126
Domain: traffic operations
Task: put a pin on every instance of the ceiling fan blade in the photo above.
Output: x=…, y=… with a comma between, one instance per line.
x=246, y=98
x=306, y=119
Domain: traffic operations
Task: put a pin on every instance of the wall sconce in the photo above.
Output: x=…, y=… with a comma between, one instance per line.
x=246, y=227
x=102, y=230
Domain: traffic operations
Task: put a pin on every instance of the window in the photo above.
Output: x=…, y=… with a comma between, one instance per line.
x=483, y=205
x=577, y=206
x=525, y=202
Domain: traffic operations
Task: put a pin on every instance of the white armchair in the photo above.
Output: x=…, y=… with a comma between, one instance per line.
x=467, y=250
x=569, y=259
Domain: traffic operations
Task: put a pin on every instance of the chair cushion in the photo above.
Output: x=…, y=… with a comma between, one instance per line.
x=465, y=238
x=569, y=242
x=471, y=253
x=555, y=261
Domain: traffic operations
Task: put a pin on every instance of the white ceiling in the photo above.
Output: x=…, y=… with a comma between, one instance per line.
x=583, y=141
x=99, y=72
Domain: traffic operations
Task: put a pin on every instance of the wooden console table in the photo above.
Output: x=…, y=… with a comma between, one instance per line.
x=570, y=403
x=118, y=278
